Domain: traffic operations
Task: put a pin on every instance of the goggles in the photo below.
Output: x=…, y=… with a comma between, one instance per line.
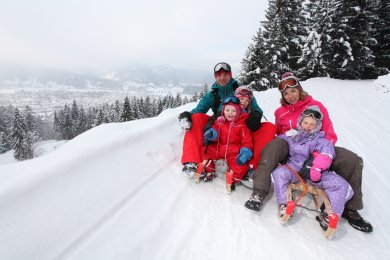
x=222, y=66
x=243, y=92
x=313, y=113
x=231, y=99
x=289, y=82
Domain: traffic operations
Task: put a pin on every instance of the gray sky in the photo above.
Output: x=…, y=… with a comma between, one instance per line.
x=81, y=35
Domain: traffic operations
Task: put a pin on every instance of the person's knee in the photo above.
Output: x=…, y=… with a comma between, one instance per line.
x=274, y=152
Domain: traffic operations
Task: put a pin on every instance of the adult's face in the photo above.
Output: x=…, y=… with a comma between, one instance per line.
x=291, y=95
x=222, y=78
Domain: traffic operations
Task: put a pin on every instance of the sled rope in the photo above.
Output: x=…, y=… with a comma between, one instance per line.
x=303, y=183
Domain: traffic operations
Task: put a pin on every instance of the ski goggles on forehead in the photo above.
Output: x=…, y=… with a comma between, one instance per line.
x=288, y=83
x=244, y=92
x=232, y=99
x=222, y=66
x=313, y=113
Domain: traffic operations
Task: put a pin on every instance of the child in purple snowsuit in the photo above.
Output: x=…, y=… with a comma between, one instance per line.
x=307, y=140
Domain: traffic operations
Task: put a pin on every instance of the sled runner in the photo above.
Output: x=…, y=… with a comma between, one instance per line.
x=201, y=174
x=328, y=220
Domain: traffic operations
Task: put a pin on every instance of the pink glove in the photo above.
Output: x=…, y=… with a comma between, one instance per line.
x=315, y=174
x=322, y=161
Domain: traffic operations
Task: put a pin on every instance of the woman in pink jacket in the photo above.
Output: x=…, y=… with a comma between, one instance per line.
x=347, y=164
x=231, y=140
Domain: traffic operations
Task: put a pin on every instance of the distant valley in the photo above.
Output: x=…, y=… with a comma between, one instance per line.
x=46, y=90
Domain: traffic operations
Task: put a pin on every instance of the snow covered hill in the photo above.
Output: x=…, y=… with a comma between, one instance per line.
x=117, y=192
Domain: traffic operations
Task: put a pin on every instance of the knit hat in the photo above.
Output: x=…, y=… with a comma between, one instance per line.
x=314, y=112
x=286, y=77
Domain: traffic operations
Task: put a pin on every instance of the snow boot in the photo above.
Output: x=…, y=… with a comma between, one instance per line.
x=282, y=212
x=286, y=211
x=323, y=219
x=189, y=169
x=357, y=221
x=255, y=201
x=229, y=182
x=209, y=172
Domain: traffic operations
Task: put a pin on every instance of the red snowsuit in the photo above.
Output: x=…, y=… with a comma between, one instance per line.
x=232, y=136
x=193, y=139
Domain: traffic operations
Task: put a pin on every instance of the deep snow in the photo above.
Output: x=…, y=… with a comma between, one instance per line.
x=117, y=192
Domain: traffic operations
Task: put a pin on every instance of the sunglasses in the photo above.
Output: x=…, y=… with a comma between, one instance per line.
x=289, y=82
x=222, y=66
x=313, y=113
x=231, y=99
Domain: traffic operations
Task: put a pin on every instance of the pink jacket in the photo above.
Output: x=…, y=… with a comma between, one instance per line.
x=286, y=117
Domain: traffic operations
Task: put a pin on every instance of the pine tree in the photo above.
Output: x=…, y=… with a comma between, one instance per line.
x=204, y=90
x=311, y=62
x=82, y=125
x=21, y=141
x=281, y=39
x=126, y=111
x=134, y=110
x=67, y=127
x=194, y=98
x=382, y=26
x=100, y=118
x=3, y=143
x=148, y=109
x=28, y=142
x=328, y=15
x=185, y=100
x=117, y=111
x=6, y=114
x=57, y=125
x=31, y=125
x=253, y=65
x=178, y=101
x=352, y=42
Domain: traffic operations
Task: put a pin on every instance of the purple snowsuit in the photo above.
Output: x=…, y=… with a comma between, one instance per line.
x=300, y=147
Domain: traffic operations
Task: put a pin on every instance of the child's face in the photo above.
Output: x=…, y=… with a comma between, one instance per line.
x=229, y=112
x=244, y=102
x=308, y=123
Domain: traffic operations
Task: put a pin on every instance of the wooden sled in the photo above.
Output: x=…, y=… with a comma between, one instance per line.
x=319, y=197
x=229, y=176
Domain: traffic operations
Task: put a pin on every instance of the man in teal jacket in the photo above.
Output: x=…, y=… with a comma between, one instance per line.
x=194, y=122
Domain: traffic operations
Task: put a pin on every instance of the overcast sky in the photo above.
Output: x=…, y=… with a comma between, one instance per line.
x=82, y=35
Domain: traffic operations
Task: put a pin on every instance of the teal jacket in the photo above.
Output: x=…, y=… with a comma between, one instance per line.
x=207, y=102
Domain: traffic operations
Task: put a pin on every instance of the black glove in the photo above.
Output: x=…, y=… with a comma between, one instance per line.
x=210, y=122
x=304, y=172
x=208, y=126
x=185, y=120
x=254, y=120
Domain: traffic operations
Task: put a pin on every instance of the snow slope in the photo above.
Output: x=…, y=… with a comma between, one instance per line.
x=117, y=192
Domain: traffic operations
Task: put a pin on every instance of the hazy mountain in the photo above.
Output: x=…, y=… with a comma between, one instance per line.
x=14, y=76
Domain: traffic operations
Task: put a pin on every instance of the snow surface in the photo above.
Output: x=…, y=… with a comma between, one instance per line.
x=117, y=192
x=40, y=148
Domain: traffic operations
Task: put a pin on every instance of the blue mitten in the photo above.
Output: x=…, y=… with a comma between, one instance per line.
x=244, y=156
x=210, y=135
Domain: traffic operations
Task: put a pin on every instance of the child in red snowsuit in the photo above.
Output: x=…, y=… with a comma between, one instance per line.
x=232, y=139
